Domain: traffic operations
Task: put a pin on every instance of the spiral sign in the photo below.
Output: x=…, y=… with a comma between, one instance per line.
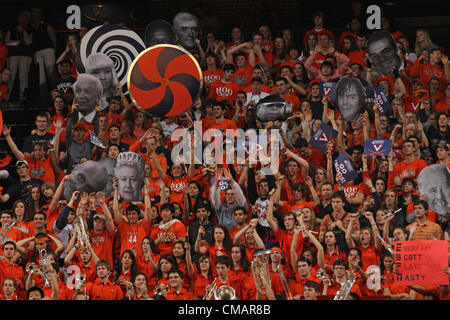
x=165, y=80
x=119, y=43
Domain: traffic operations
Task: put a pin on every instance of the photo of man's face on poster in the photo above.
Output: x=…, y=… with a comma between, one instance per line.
x=434, y=182
x=384, y=53
x=89, y=176
x=159, y=32
x=350, y=98
x=187, y=29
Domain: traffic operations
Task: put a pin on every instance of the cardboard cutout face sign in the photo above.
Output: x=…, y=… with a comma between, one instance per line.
x=187, y=29
x=89, y=176
x=383, y=52
x=159, y=32
x=87, y=93
x=130, y=174
x=102, y=67
x=434, y=182
x=272, y=108
x=350, y=98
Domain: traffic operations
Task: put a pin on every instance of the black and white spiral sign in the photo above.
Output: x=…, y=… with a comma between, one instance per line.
x=119, y=43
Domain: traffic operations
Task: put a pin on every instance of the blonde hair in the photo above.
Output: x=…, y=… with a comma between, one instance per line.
x=426, y=42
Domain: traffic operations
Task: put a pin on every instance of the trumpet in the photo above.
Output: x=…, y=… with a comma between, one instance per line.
x=161, y=289
x=261, y=271
x=225, y=292
x=322, y=275
x=209, y=293
x=81, y=232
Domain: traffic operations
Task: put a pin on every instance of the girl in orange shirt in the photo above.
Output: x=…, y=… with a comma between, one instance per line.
x=220, y=245
x=369, y=243
x=179, y=253
x=18, y=209
x=127, y=270
x=201, y=274
x=332, y=251
x=240, y=266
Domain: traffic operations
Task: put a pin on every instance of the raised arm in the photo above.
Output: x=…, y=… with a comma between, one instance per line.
x=109, y=223
x=348, y=232
x=12, y=145
x=148, y=203
x=116, y=208
x=158, y=167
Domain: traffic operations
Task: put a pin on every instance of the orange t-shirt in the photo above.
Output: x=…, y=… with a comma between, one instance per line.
x=409, y=170
x=132, y=235
x=177, y=228
x=211, y=76
x=243, y=76
x=177, y=186
x=102, y=243
x=223, y=90
x=295, y=101
x=41, y=169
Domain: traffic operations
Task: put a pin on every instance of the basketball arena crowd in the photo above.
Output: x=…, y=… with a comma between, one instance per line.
x=227, y=231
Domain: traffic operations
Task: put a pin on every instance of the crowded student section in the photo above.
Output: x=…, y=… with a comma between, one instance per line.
x=94, y=205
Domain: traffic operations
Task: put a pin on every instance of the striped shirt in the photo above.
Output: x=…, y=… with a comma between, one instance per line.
x=428, y=231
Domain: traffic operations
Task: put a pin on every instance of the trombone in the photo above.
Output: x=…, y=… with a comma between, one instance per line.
x=209, y=293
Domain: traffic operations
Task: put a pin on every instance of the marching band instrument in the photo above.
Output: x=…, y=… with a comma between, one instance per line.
x=284, y=283
x=225, y=292
x=81, y=232
x=345, y=289
x=43, y=262
x=322, y=275
x=5, y=232
x=209, y=293
x=80, y=285
x=260, y=270
x=161, y=289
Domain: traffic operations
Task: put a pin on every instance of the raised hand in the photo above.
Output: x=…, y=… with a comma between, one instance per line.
x=6, y=131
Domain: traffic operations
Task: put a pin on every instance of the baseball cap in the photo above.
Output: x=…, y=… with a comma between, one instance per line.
x=99, y=215
x=79, y=124
x=22, y=162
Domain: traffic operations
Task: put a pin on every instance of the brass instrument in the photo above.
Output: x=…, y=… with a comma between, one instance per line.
x=260, y=270
x=81, y=232
x=322, y=275
x=161, y=289
x=43, y=262
x=5, y=232
x=345, y=289
x=225, y=292
x=80, y=285
x=209, y=293
x=284, y=283
x=30, y=269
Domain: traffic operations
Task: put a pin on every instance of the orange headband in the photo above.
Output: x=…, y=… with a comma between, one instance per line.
x=40, y=240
